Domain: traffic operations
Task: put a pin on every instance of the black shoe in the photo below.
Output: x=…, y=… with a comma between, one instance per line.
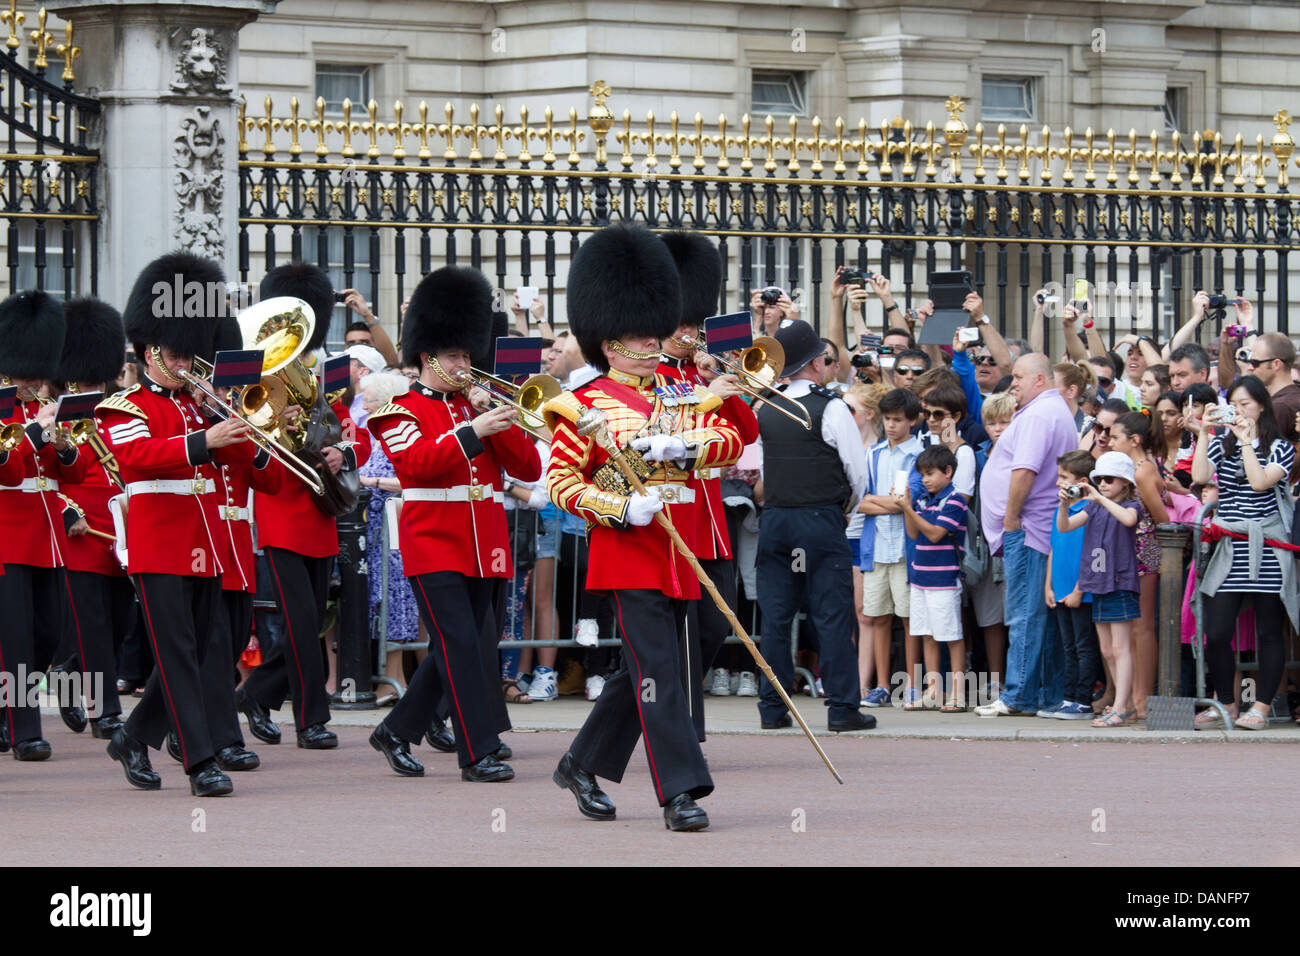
x=488, y=770
x=397, y=751
x=74, y=718
x=134, y=757
x=316, y=737
x=683, y=814
x=174, y=747
x=440, y=738
x=504, y=752
x=851, y=721
x=785, y=720
x=105, y=727
x=260, y=723
x=592, y=801
x=210, y=782
x=4, y=734
x=32, y=750
x=235, y=757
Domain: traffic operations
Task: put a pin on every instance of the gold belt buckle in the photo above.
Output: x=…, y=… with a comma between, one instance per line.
x=230, y=513
x=669, y=494
x=42, y=483
x=199, y=486
x=476, y=492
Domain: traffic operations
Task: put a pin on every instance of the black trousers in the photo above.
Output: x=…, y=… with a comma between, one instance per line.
x=232, y=621
x=1221, y=613
x=178, y=612
x=102, y=611
x=491, y=627
x=646, y=698
x=1082, y=652
x=802, y=553
x=706, y=629
x=455, y=609
x=296, y=664
x=32, y=601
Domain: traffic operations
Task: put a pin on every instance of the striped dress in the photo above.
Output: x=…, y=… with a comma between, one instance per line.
x=1239, y=502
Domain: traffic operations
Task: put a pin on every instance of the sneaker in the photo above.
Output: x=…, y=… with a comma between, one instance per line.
x=995, y=709
x=818, y=685
x=542, y=686
x=588, y=633
x=879, y=697
x=1051, y=712
x=748, y=685
x=721, y=685
x=992, y=691
x=1073, y=710
x=595, y=684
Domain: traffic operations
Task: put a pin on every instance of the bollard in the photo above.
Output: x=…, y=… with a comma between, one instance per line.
x=353, y=681
x=1168, y=710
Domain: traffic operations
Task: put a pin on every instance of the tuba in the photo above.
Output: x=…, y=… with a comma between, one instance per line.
x=281, y=327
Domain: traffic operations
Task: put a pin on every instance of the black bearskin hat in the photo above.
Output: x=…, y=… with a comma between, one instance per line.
x=622, y=283
x=227, y=339
x=32, y=331
x=176, y=302
x=308, y=283
x=700, y=271
x=451, y=308
x=95, y=347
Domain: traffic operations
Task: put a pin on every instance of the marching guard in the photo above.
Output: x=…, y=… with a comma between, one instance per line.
x=165, y=452
x=452, y=531
x=300, y=542
x=624, y=299
x=700, y=271
x=36, y=458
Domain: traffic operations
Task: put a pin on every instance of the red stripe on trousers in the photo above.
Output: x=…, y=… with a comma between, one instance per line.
x=654, y=771
x=176, y=720
x=447, y=661
x=293, y=645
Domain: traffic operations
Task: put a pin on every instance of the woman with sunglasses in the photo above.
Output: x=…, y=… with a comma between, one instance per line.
x=1251, y=458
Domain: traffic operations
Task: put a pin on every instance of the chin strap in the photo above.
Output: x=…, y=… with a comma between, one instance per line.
x=616, y=346
x=163, y=370
x=438, y=370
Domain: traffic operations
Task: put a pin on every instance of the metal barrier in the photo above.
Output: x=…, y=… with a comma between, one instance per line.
x=388, y=538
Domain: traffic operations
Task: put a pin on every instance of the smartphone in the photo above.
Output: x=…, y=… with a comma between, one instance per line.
x=527, y=294
x=1081, y=289
x=968, y=334
x=900, y=482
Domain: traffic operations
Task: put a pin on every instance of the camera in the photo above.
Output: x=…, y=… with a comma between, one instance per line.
x=1073, y=491
x=771, y=296
x=1238, y=331
x=968, y=334
x=1042, y=298
x=1222, y=414
x=340, y=297
x=1220, y=301
x=858, y=277
x=869, y=340
x=863, y=359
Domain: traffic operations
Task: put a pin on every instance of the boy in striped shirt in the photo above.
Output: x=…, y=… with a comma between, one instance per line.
x=938, y=520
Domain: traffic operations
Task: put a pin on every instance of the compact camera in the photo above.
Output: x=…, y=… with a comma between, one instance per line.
x=770, y=296
x=1220, y=301
x=858, y=277
x=1073, y=491
x=1042, y=298
x=1238, y=331
x=1222, y=414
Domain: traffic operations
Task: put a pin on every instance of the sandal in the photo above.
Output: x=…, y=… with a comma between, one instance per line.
x=1113, y=718
x=518, y=697
x=1208, y=719
x=1252, y=720
x=930, y=699
x=952, y=706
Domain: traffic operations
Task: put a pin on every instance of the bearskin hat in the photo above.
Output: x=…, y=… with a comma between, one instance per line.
x=451, y=308
x=32, y=331
x=227, y=339
x=176, y=302
x=95, y=346
x=308, y=283
x=622, y=283
x=700, y=271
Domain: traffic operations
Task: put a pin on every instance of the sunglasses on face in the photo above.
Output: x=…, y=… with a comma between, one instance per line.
x=1105, y=382
x=1101, y=429
x=985, y=360
x=938, y=414
x=1255, y=363
x=908, y=369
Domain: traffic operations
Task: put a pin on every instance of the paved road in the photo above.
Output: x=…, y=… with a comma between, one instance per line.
x=906, y=802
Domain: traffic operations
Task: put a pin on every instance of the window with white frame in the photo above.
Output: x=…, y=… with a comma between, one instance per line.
x=1175, y=110
x=336, y=83
x=1009, y=98
x=780, y=93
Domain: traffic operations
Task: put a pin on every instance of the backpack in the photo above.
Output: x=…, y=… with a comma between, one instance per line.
x=977, y=561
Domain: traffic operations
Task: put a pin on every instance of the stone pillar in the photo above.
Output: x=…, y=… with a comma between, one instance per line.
x=167, y=75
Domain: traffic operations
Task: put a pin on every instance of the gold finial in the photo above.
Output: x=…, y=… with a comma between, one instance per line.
x=886, y=150
x=1067, y=154
x=977, y=150
x=574, y=137
x=649, y=139
x=1154, y=178
x=448, y=130
x=817, y=144
x=1002, y=150
x=239, y=124
x=422, y=130
x=625, y=137
x=769, y=143
x=839, y=166
x=320, y=126
x=1259, y=161
x=698, y=142
x=955, y=132
x=1045, y=156
x=720, y=141
x=1218, y=160
x=69, y=53
x=548, y=138
x=1239, y=177
x=1283, y=145
x=1089, y=157
x=398, y=130
x=863, y=165
x=372, y=127
x=930, y=148
x=41, y=39
x=1111, y=176
x=600, y=119
x=475, y=131
x=524, y=134
x=295, y=127
x=499, y=131
x=1176, y=157
x=13, y=18
x=268, y=125
x=746, y=164
x=674, y=142
x=347, y=128
x=793, y=144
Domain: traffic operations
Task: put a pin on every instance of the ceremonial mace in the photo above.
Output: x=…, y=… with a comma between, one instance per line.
x=592, y=423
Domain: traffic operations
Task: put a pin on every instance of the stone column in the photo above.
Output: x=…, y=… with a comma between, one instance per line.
x=167, y=75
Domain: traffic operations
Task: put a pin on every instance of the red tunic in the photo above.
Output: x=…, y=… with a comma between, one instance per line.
x=429, y=438
x=31, y=523
x=158, y=434
x=711, y=538
x=290, y=519
x=624, y=556
x=85, y=551
x=234, y=509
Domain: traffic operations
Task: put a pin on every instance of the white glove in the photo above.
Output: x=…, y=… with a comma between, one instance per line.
x=641, y=509
x=661, y=447
x=538, y=499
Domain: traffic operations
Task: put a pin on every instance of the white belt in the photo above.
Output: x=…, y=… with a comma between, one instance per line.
x=459, y=493
x=231, y=513
x=674, y=494
x=39, y=483
x=708, y=474
x=185, y=486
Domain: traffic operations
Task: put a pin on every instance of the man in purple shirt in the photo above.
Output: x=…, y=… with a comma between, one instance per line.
x=1018, y=500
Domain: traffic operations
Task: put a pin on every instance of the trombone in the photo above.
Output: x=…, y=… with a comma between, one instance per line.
x=759, y=366
x=527, y=398
x=296, y=466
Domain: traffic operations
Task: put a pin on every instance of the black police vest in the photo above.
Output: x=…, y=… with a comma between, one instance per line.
x=800, y=470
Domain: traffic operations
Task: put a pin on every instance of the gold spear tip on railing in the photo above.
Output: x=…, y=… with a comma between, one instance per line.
x=69, y=52
x=955, y=130
x=13, y=18
x=41, y=39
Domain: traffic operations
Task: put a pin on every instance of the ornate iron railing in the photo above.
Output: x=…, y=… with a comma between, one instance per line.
x=1016, y=209
x=50, y=173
